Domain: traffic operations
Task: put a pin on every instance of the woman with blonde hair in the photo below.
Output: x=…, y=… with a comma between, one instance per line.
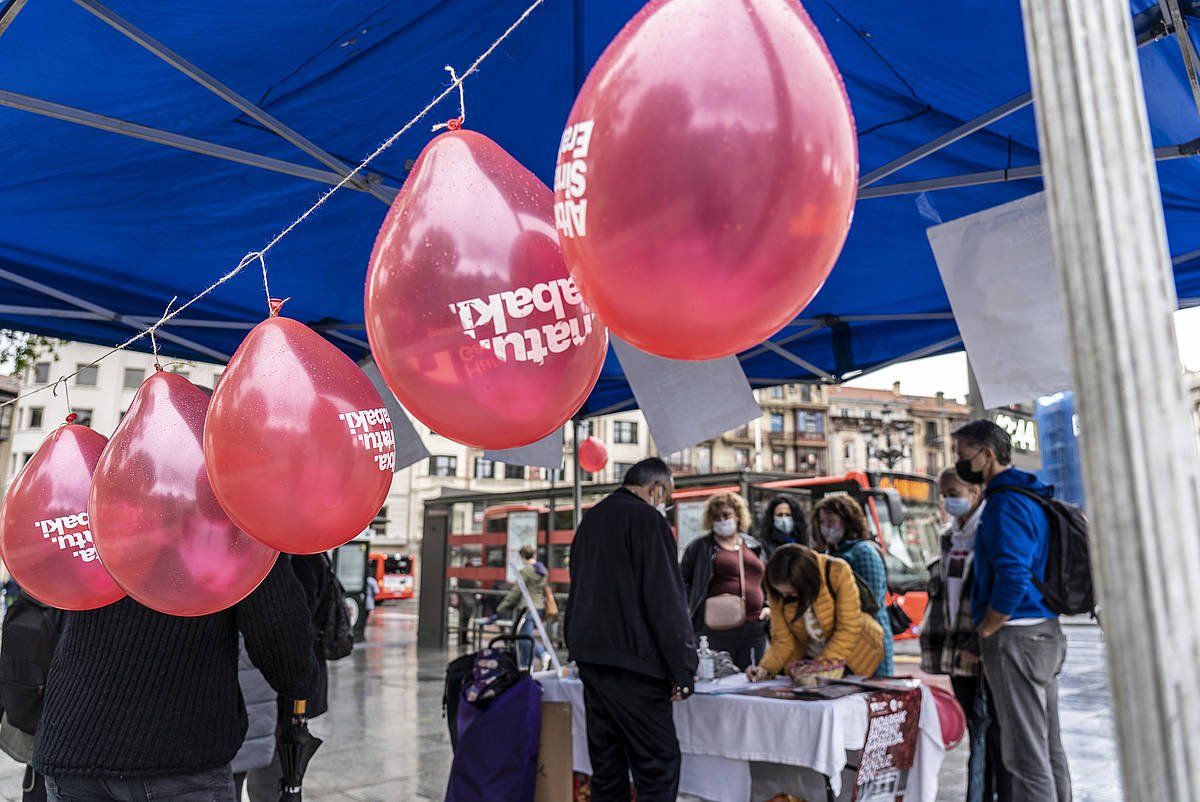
x=816, y=612
x=722, y=574
x=840, y=526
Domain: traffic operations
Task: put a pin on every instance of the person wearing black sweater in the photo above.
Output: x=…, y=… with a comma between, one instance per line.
x=140, y=705
x=629, y=629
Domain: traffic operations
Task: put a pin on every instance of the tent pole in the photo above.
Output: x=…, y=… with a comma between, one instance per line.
x=1138, y=445
x=9, y=12
x=795, y=360
x=1187, y=49
x=366, y=183
x=113, y=125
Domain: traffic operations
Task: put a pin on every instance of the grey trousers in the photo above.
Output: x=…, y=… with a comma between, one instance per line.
x=1022, y=664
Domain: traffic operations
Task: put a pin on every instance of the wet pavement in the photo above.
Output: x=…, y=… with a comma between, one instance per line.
x=386, y=740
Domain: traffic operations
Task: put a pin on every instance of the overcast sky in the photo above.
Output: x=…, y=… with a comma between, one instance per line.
x=949, y=373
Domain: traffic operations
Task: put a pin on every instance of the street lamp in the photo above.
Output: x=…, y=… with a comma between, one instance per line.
x=896, y=436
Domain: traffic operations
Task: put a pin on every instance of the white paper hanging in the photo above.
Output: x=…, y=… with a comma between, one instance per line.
x=545, y=453
x=687, y=402
x=410, y=449
x=998, y=269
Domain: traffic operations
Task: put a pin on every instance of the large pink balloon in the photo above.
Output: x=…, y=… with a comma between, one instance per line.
x=298, y=445
x=474, y=322
x=45, y=533
x=158, y=526
x=707, y=175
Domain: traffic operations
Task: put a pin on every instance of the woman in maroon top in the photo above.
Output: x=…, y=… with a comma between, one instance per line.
x=727, y=562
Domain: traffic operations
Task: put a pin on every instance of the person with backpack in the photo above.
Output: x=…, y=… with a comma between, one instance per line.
x=1021, y=642
x=841, y=529
x=30, y=635
x=817, y=613
x=141, y=705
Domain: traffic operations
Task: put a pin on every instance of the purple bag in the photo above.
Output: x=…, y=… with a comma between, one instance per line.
x=497, y=755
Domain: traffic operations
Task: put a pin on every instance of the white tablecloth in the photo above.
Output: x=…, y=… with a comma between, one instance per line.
x=733, y=743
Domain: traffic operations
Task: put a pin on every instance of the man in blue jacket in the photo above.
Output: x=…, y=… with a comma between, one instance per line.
x=1022, y=643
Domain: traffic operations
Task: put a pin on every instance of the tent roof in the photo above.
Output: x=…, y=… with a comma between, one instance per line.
x=123, y=225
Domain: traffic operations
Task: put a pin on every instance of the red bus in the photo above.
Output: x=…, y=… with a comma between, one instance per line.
x=394, y=573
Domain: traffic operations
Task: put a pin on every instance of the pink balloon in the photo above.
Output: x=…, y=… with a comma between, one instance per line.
x=707, y=175
x=298, y=444
x=45, y=533
x=474, y=322
x=158, y=526
x=593, y=456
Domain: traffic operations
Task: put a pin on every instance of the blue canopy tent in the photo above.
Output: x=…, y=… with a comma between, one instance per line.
x=149, y=146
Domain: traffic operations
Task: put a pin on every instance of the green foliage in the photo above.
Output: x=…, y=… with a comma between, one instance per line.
x=19, y=350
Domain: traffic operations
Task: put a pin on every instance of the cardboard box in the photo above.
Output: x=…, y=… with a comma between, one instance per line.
x=555, y=780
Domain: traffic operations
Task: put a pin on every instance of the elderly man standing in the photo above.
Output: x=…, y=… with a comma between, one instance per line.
x=629, y=630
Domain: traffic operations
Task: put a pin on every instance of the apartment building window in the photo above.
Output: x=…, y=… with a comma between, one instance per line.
x=443, y=466
x=741, y=457
x=484, y=468
x=931, y=430
x=28, y=455
x=553, y=474
x=587, y=429
x=778, y=460
x=134, y=377
x=86, y=375
x=806, y=394
x=379, y=525
x=777, y=391
x=680, y=460
x=625, y=431
x=83, y=416
x=6, y=419
x=620, y=469
x=704, y=459
x=514, y=471
x=809, y=459
x=35, y=417
x=776, y=422
x=934, y=460
x=848, y=450
x=41, y=373
x=810, y=422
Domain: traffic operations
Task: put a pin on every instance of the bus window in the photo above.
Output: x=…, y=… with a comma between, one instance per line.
x=494, y=558
x=560, y=556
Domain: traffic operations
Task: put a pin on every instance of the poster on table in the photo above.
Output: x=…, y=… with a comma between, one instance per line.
x=522, y=531
x=893, y=724
x=998, y=269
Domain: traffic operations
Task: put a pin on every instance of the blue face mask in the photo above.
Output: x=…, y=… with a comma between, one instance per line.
x=785, y=525
x=958, y=506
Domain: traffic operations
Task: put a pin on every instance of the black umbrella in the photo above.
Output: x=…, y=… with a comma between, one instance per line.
x=296, y=748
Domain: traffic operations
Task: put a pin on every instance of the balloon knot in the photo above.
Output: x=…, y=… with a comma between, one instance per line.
x=276, y=304
x=71, y=418
x=454, y=123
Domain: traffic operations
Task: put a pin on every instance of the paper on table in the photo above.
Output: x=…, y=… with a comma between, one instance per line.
x=998, y=269
x=735, y=683
x=687, y=402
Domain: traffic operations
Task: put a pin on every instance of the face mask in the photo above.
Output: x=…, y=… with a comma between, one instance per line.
x=785, y=525
x=662, y=508
x=966, y=473
x=725, y=528
x=958, y=506
x=832, y=534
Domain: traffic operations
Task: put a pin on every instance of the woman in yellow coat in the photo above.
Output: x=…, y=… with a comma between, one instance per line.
x=810, y=619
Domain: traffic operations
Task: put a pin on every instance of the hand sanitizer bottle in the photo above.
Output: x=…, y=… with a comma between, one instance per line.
x=707, y=667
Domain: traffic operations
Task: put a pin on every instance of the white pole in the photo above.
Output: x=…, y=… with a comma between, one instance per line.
x=1139, y=453
x=537, y=618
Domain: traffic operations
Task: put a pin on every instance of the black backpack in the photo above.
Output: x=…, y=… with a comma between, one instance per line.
x=866, y=599
x=30, y=635
x=1067, y=586
x=335, y=635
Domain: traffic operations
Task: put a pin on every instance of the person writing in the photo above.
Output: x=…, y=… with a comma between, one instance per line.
x=816, y=613
x=843, y=532
x=723, y=574
x=628, y=628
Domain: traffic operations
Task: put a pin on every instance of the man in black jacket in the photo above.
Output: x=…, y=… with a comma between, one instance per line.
x=628, y=628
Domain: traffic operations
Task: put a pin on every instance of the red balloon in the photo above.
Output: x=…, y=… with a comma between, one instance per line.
x=707, y=175
x=298, y=445
x=474, y=322
x=45, y=533
x=593, y=456
x=158, y=526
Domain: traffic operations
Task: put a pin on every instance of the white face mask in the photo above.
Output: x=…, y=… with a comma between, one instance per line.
x=958, y=506
x=785, y=524
x=725, y=528
x=832, y=534
x=662, y=508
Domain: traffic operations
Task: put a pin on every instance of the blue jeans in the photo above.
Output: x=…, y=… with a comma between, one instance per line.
x=530, y=629
x=214, y=785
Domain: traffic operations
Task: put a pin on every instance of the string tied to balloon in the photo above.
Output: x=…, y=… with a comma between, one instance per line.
x=71, y=416
x=276, y=304
x=153, y=340
x=455, y=123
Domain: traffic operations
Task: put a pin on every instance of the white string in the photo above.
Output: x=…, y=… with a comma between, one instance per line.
x=348, y=178
x=455, y=124
x=153, y=341
x=66, y=393
x=266, y=285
